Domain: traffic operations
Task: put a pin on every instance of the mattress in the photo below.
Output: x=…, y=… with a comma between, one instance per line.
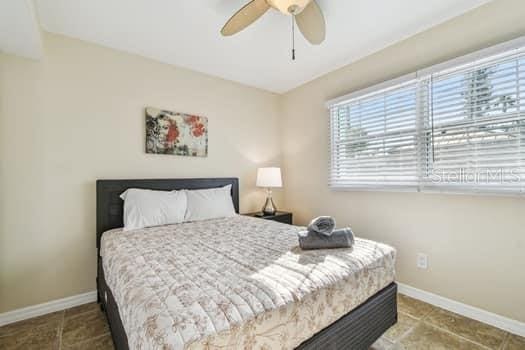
x=231, y=283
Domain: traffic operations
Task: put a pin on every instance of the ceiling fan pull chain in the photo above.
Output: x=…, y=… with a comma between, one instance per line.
x=293, y=37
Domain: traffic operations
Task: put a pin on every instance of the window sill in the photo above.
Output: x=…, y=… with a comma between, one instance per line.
x=432, y=190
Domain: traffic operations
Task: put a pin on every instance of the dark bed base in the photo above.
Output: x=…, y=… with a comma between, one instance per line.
x=357, y=330
x=361, y=327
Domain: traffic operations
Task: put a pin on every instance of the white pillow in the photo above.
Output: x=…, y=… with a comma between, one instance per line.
x=209, y=204
x=146, y=208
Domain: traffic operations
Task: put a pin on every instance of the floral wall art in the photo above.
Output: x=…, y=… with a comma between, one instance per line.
x=176, y=133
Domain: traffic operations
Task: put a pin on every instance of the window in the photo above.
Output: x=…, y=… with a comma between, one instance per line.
x=455, y=127
x=374, y=139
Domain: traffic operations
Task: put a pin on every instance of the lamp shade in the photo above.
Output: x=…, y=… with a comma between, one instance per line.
x=269, y=177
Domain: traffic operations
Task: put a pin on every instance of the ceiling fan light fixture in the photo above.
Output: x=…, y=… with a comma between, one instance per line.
x=305, y=13
x=289, y=7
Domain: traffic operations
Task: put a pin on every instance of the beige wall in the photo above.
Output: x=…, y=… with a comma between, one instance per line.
x=476, y=245
x=77, y=116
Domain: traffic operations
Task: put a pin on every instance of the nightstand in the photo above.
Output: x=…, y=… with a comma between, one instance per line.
x=281, y=216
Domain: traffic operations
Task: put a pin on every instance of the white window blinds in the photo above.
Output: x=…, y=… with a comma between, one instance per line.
x=458, y=128
x=374, y=139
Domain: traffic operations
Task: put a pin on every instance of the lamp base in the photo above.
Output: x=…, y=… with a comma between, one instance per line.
x=269, y=206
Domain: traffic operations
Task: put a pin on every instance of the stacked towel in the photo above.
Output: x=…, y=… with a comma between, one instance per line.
x=324, y=225
x=320, y=234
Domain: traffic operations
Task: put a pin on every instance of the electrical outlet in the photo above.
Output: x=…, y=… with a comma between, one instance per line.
x=422, y=261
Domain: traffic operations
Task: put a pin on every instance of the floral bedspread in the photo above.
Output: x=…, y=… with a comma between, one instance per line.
x=235, y=283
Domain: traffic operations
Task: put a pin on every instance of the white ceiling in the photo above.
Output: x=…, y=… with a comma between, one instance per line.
x=186, y=33
x=19, y=31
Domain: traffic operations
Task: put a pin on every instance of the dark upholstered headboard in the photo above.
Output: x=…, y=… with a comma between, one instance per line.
x=110, y=207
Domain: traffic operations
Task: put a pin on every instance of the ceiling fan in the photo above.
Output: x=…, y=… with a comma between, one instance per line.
x=306, y=13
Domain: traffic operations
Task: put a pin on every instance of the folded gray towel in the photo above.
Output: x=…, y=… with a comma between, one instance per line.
x=342, y=238
x=324, y=225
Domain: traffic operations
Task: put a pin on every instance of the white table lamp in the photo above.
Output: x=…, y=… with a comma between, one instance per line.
x=269, y=178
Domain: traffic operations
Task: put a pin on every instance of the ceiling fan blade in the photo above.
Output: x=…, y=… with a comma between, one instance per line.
x=245, y=16
x=311, y=23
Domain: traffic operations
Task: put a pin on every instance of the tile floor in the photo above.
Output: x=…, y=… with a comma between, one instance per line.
x=420, y=326
x=423, y=326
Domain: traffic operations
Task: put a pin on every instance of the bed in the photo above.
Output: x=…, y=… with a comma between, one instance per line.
x=236, y=282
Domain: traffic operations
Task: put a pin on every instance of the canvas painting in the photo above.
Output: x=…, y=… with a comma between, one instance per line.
x=176, y=133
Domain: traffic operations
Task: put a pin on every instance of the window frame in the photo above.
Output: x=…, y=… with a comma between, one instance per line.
x=486, y=56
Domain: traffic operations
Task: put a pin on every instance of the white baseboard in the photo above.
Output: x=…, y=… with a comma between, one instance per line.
x=507, y=324
x=46, y=308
